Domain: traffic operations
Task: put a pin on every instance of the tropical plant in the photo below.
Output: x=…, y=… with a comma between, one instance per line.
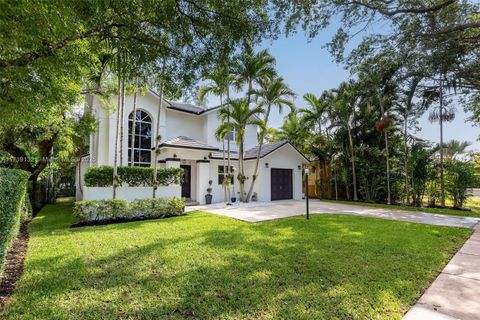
x=459, y=178
x=271, y=93
x=236, y=117
x=250, y=68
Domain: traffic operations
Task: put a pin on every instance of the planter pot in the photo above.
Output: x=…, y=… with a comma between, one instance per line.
x=233, y=199
x=208, y=199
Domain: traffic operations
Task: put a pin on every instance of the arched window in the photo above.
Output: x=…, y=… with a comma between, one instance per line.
x=142, y=152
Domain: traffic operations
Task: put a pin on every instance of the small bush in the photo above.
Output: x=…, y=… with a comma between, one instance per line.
x=102, y=176
x=157, y=208
x=100, y=210
x=13, y=187
x=119, y=209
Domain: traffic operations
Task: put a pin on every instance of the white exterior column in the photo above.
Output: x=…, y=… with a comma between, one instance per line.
x=203, y=176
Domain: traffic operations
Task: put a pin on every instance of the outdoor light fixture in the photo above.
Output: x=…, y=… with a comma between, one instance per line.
x=299, y=167
x=266, y=165
x=306, y=193
x=174, y=155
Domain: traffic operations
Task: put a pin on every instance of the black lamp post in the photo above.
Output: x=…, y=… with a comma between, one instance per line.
x=306, y=194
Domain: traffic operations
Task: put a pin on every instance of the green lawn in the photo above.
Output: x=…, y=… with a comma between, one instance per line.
x=472, y=204
x=211, y=267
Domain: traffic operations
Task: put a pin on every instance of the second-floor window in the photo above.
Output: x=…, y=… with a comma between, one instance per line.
x=142, y=153
x=231, y=135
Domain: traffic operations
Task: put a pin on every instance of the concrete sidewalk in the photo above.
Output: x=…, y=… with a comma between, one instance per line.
x=263, y=211
x=455, y=294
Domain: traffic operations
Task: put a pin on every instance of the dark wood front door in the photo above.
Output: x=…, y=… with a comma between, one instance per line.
x=281, y=184
x=187, y=181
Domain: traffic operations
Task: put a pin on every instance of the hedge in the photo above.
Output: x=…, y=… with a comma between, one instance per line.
x=118, y=209
x=13, y=189
x=102, y=176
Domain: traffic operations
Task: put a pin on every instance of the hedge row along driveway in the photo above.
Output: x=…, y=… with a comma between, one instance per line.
x=211, y=267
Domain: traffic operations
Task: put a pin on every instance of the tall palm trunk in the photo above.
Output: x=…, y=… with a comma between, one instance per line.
x=260, y=144
x=122, y=120
x=387, y=156
x=241, y=168
x=115, y=156
x=334, y=173
x=442, y=178
x=134, y=128
x=229, y=195
x=225, y=176
x=157, y=141
x=352, y=159
x=405, y=164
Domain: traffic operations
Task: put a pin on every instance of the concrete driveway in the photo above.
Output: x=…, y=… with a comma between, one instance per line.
x=263, y=211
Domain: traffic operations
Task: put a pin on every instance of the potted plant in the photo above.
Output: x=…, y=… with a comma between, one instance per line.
x=208, y=196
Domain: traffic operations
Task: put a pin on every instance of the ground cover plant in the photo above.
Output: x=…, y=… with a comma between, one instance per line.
x=211, y=267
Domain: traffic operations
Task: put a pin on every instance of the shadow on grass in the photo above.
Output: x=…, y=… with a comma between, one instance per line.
x=204, y=266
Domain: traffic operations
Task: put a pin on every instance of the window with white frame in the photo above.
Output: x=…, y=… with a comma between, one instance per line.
x=142, y=147
x=222, y=173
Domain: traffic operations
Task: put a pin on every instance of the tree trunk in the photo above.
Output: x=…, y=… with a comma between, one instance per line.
x=157, y=141
x=442, y=178
x=405, y=138
x=225, y=176
x=115, y=156
x=354, y=173
x=387, y=154
x=241, y=169
x=122, y=120
x=260, y=144
x=134, y=124
x=228, y=153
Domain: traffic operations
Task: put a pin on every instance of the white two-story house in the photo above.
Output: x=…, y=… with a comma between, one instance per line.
x=188, y=141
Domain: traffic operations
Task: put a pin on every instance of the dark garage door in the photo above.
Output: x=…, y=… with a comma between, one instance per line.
x=281, y=184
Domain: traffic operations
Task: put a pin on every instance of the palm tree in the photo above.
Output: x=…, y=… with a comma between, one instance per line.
x=314, y=115
x=345, y=102
x=292, y=130
x=237, y=117
x=250, y=68
x=453, y=148
x=407, y=110
x=272, y=93
x=441, y=113
x=219, y=82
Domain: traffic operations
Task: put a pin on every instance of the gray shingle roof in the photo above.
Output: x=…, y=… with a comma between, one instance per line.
x=186, y=142
x=267, y=148
x=185, y=106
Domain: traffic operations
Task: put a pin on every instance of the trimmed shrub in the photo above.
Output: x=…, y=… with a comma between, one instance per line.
x=157, y=208
x=13, y=188
x=102, y=176
x=119, y=209
x=100, y=210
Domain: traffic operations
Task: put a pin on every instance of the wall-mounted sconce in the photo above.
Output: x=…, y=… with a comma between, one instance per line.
x=174, y=155
x=266, y=165
x=209, y=155
x=299, y=167
x=204, y=158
